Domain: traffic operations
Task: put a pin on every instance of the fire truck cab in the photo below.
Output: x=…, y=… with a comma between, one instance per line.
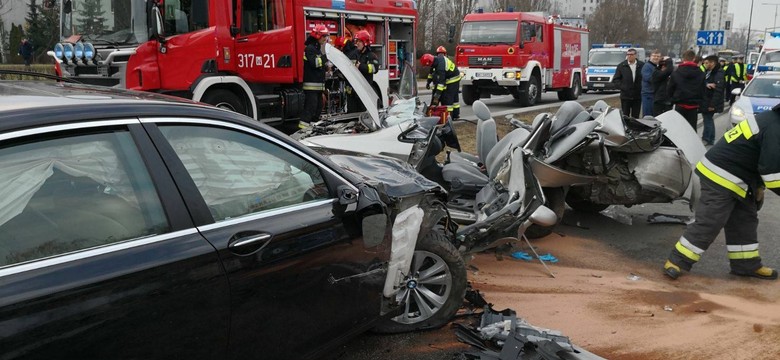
x=245, y=55
x=522, y=54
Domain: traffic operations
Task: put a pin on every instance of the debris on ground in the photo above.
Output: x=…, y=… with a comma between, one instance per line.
x=501, y=335
x=618, y=214
x=633, y=277
x=658, y=218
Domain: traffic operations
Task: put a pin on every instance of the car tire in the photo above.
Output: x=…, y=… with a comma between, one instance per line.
x=531, y=92
x=224, y=99
x=470, y=94
x=433, y=252
x=556, y=201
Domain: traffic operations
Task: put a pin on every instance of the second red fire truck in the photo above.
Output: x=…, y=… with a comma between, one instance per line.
x=522, y=54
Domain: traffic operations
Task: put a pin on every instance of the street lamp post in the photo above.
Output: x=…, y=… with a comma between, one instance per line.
x=750, y=23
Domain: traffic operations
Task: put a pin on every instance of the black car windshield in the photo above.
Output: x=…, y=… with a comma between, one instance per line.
x=763, y=87
x=122, y=22
x=489, y=32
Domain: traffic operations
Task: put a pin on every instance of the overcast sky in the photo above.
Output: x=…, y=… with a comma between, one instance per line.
x=763, y=15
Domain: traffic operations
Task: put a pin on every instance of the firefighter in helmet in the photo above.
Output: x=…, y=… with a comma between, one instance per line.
x=445, y=78
x=366, y=62
x=314, y=68
x=734, y=174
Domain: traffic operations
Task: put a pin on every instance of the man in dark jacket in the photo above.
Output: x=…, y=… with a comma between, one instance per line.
x=686, y=88
x=366, y=62
x=660, y=81
x=734, y=175
x=26, y=51
x=713, y=97
x=628, y=78
x=648, y=92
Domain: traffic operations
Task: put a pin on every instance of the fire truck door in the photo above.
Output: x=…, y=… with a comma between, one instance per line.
x=187, y=48
x=265, y=44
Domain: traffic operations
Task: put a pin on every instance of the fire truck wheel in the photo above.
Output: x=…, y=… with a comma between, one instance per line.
x=571, y=93
x=224, y=99
x=470, y=94
x=531, y=93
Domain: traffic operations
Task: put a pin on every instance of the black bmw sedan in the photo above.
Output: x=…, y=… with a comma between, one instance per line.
x=133, y=226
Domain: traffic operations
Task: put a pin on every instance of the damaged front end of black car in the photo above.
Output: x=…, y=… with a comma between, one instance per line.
x=426, y=274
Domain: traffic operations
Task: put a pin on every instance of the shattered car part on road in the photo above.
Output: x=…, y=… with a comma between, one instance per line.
x=501, y=335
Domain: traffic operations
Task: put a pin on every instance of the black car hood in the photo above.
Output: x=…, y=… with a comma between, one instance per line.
x=397, y=178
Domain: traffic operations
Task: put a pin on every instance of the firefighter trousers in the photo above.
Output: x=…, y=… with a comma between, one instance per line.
x=714, y=209
x=312, y=106
x=450, y=98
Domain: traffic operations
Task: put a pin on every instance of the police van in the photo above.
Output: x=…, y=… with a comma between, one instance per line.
x=603, y=59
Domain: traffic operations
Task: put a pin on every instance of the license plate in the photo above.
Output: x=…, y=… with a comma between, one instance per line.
x=484, y=75
x=598, y=85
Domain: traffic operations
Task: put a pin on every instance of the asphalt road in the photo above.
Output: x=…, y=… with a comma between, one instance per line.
x=624, y=229
x=506, y=104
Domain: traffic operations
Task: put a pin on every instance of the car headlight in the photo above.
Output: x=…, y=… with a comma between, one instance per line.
x=68, y=52
x=511, y=75
x=78, y=50
x=737, y=114
x=89, y=51
x=59, y=50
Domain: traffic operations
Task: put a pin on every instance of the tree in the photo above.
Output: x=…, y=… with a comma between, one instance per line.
x=14, y=39
x=41, y=24
x=522, y=5
x=92, y=20
x=625, y=26
x=674, y=31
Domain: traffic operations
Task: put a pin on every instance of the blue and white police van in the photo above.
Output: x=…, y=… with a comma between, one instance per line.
x=603, y=59
x=762, y=93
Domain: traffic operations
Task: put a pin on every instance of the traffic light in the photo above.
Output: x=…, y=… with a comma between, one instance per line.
x=727, y=26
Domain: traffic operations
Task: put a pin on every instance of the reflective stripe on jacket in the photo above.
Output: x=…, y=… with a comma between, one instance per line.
x=748, y=157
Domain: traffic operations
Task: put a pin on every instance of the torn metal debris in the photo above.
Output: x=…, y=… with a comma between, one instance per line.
x=501, y=335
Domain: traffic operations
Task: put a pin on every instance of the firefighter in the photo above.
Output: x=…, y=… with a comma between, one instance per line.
x=366, y=62
x=445, y=78
x=736, y=76
x=734, y=174
x=314, y=67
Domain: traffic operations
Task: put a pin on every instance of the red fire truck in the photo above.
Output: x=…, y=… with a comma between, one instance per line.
x=523, y=54
x=244, y=55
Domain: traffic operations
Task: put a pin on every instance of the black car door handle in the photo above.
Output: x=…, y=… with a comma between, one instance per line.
x=249, y=240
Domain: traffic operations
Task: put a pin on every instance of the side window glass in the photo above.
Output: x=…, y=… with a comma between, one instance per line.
x=183, y=16
x=261, y=15
x=239, y=174
x=539, y=34
x=71, y=193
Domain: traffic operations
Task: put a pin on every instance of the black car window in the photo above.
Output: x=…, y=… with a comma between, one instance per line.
x=73, y=192
x=239, y=174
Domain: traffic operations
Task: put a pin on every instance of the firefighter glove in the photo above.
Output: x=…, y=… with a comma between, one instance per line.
x=428, y=84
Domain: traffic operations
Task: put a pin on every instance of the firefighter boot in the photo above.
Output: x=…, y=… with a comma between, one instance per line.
x=763, y=272
x=671, y=270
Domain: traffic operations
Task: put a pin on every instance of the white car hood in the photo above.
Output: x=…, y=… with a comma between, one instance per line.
x=364, y=90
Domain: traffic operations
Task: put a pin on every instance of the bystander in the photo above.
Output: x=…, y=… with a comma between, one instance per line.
x=628, y=78
x=686, y=87
x=648, y=92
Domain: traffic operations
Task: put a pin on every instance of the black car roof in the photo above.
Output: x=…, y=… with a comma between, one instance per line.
x=25, y=104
